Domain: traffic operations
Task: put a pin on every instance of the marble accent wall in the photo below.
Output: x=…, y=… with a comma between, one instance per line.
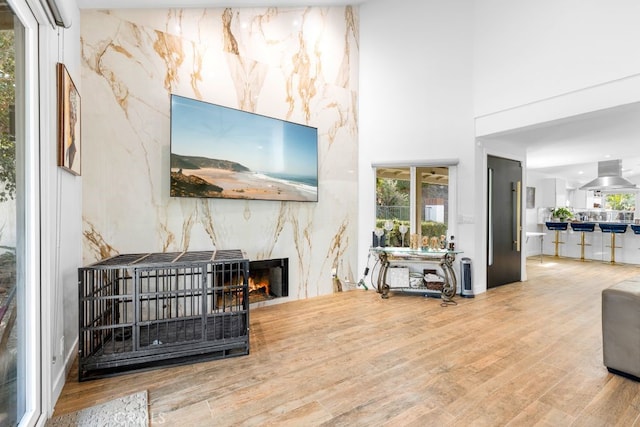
x=297, y=64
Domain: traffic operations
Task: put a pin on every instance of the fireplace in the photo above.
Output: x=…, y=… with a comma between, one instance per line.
x=268, y=279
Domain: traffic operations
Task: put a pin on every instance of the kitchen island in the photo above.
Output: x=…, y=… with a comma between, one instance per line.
x=597, y=243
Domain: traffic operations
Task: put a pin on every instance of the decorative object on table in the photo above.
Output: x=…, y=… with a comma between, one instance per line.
x=413, y=241
x=388, y=227
x=434, y=243
x=398, y=277
x=69, y=149
x=452, y=245
x=432, y=280
x=379, y=232
x=402, y=229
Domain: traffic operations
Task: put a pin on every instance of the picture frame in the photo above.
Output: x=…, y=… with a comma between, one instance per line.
x=69, y=142
x=531, y=197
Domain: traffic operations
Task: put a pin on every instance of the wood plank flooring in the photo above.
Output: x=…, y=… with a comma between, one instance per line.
x=527, y=353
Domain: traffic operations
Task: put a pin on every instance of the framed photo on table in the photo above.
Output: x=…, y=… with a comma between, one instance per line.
x=69, y=143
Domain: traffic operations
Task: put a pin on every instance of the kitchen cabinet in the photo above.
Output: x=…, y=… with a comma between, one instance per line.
x=578, y=199
x=554, y=192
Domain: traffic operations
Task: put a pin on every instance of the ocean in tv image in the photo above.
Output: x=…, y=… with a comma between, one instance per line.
x=223, y=152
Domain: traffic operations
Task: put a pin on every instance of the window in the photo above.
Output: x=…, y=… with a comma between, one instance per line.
x=620, y=202
x=414, y=200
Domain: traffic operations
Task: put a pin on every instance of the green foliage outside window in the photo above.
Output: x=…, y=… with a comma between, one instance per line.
x=620, y=202
x=391, y=192
x=7, y=101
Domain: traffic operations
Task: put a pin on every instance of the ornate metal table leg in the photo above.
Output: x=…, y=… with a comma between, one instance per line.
x=383, y=287
x=385, y=291
x=450, y=282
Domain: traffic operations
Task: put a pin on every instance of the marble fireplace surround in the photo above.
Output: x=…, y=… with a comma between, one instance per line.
x=296, y=64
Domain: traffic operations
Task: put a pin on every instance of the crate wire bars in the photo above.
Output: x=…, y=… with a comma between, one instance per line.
x=144, y=311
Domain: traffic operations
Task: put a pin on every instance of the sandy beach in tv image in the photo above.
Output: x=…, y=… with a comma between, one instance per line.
x=252, y=185
x=223, y=152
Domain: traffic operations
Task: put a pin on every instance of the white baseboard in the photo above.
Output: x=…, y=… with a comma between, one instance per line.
x=60, y=380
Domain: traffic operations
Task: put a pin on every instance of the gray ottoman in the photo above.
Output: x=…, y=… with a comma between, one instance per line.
x=621, y=328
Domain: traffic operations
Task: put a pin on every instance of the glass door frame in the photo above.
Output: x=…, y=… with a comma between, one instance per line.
x=28, y=209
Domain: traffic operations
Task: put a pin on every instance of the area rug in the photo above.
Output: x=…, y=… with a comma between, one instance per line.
x=126, y=411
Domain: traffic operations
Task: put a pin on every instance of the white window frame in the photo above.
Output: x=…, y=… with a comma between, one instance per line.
x=451, y=164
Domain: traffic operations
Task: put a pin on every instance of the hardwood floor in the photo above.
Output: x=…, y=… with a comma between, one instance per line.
x=522, y=354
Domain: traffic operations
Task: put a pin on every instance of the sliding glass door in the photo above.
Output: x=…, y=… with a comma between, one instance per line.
x=9, y=336
x=19, y=217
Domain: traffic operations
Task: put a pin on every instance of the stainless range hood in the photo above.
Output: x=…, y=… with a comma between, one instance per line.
x=609, y=178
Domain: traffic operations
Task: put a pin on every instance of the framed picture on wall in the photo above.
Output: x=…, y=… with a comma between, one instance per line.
x=69, y=144
x=531, y=197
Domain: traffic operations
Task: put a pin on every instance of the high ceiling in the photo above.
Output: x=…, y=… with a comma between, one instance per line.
x=135, y=4
x=572, y=148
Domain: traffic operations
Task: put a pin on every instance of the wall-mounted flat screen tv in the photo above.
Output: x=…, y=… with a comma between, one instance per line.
x=223, y=152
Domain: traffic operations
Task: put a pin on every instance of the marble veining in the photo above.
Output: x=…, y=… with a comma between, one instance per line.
x=230, y=43
x=94, y=241
x=169, y=48
x=297, y=64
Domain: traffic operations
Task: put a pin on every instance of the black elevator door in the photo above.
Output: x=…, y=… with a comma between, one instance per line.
x=504, y=221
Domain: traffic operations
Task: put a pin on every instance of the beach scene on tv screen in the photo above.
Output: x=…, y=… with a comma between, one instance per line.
x=222, y=152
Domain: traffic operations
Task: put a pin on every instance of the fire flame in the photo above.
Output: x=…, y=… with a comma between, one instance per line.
x=260, y=284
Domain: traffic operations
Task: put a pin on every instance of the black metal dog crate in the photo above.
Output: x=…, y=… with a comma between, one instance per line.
x=144, y=311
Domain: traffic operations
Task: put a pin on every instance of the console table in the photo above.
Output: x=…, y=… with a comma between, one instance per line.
x=445, y=258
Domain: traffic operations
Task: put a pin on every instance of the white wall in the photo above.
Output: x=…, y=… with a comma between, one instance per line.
x=61, y=202
x=529, y=51
x=415, y=99
x=535, y=63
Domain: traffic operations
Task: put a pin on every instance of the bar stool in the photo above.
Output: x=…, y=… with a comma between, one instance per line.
x=557, y=227
x=613, y=228
x=583, y=227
